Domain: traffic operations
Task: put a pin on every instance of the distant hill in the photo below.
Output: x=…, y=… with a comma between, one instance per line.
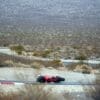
x=53, y=16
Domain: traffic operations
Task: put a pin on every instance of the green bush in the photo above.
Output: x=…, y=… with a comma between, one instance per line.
x=42, y=53
x=18, y=49
x=81, y=57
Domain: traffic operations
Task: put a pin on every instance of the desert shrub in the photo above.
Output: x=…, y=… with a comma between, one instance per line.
x=29, y=92
x=9, y=63
x=19, y=64
x=58, y=48
x=56, y=63
x=37, y=92
x=71, y=67
x=81, y=57
x=76, y=47
x=2, y=64
x=18, y=49
x=83, y=68
x=44, y=53
x=36, y=65
x=35, y=54
x=86, y=71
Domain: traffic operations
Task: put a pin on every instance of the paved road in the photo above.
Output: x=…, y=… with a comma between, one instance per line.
x=16, y=82
x=29, y=75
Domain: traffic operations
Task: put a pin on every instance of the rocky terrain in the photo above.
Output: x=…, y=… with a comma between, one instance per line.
x=66, y=45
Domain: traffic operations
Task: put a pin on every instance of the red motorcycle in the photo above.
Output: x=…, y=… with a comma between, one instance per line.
x=48, y=79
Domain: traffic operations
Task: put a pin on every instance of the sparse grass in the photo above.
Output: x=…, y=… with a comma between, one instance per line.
x=44, y=53
x=56, y=62
x=23, y=62
x=31, y=92
x=18, y=49
x=20, y=65
x=85, y=69
x=9, y=63
x=81, y=57
x=36, y=65
x=71, y=67
x=40, y=64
